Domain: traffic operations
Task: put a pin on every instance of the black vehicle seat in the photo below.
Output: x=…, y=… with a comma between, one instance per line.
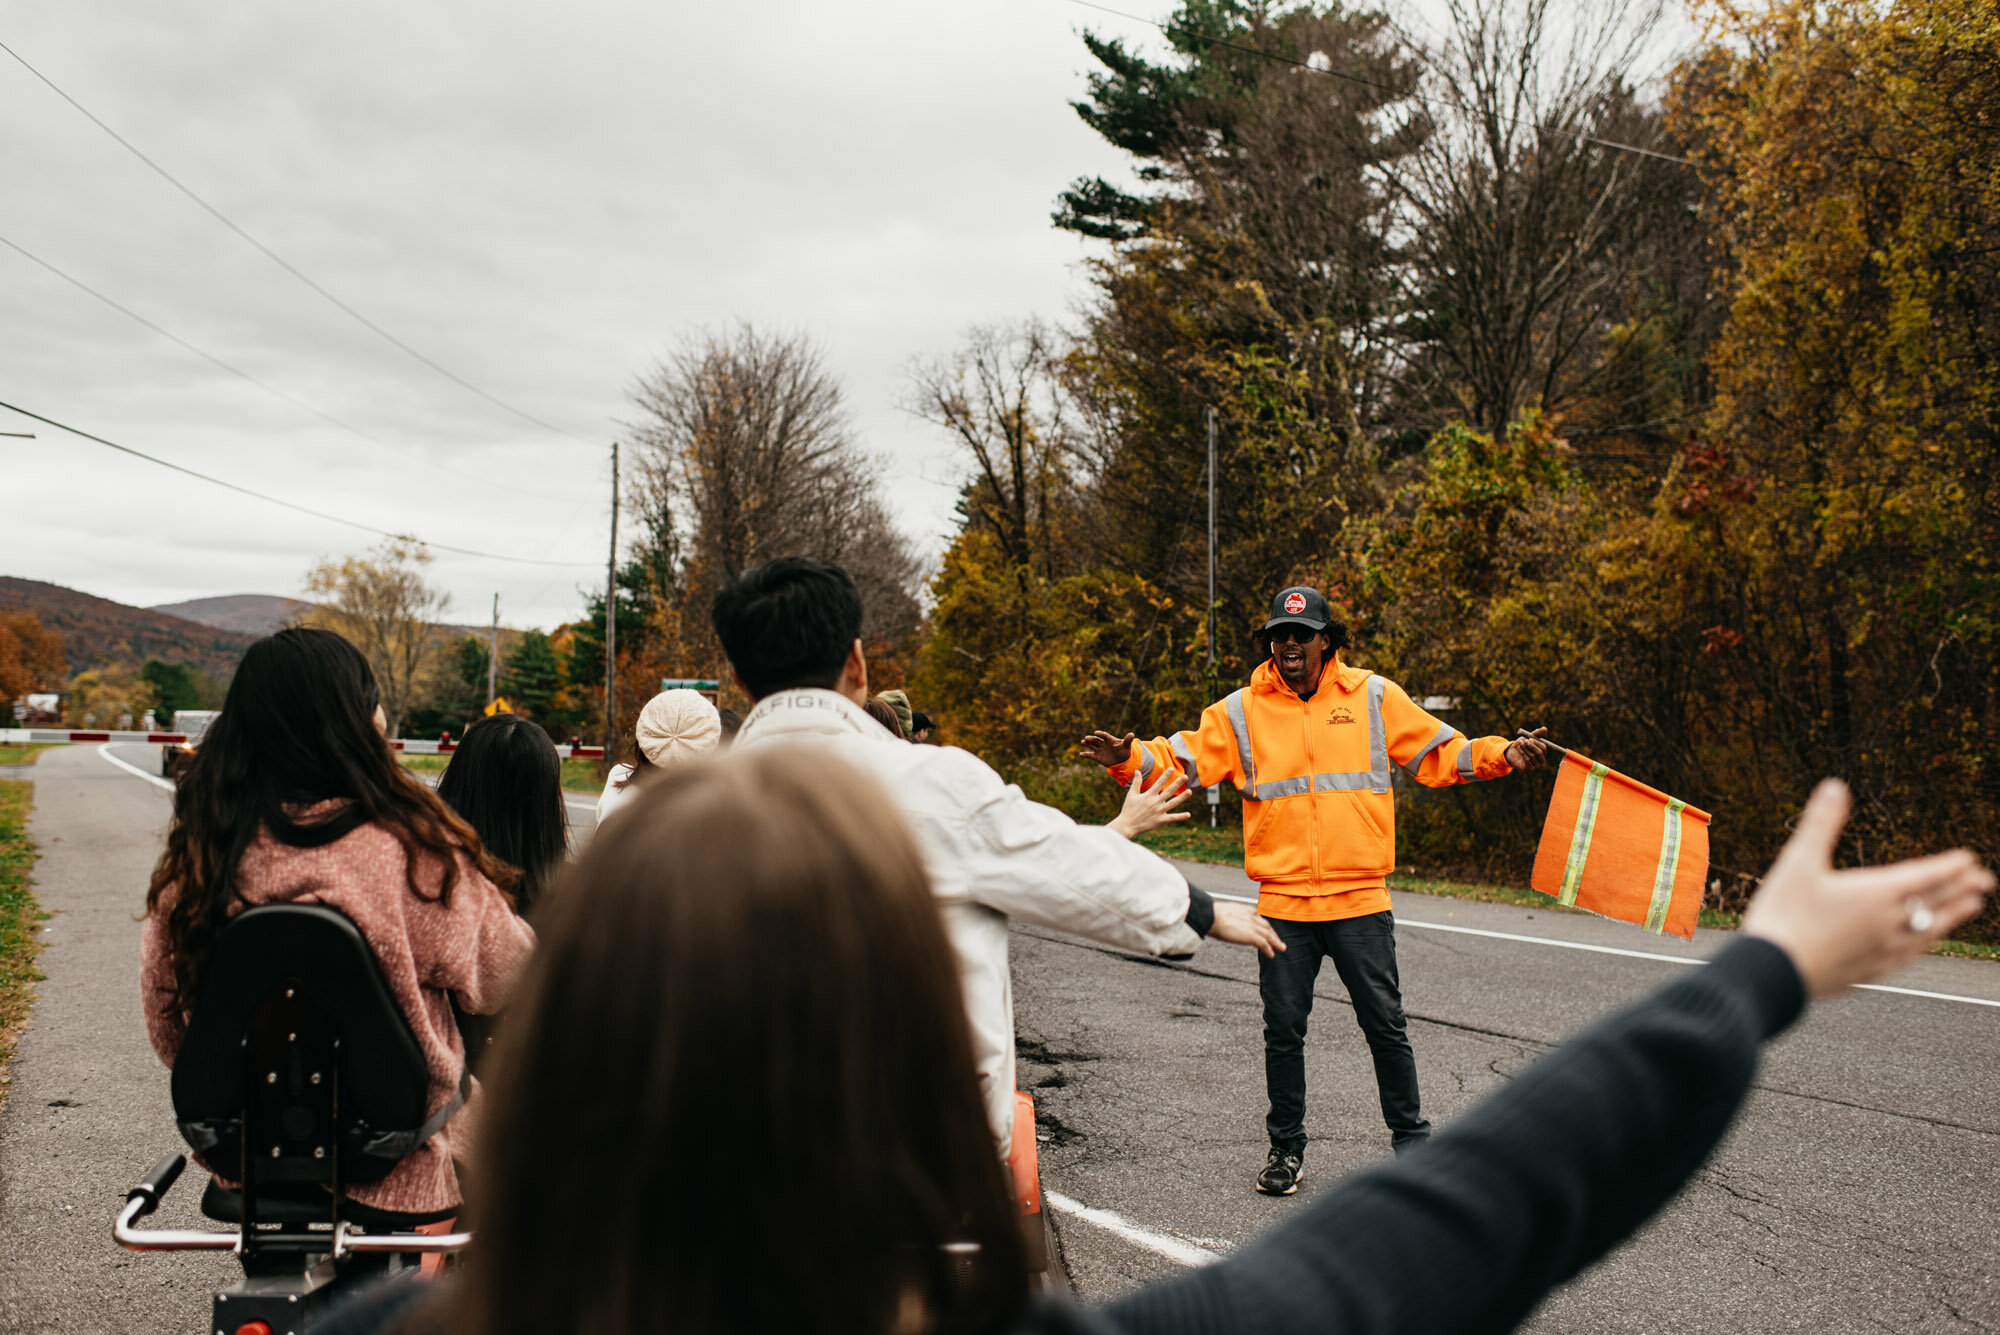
x=290, y=1207
x=299, y=1074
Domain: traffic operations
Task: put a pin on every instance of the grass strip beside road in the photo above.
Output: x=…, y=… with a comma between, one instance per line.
x=19, y=917
x=24, y=753
x=578, y=776
x=1224, y=846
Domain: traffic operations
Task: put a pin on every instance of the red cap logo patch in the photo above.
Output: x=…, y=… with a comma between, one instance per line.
x=1295, y=603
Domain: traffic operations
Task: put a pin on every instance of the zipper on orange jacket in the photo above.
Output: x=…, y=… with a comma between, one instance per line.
x=1312, y=768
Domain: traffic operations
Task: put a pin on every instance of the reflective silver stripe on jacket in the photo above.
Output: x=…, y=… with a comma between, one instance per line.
x=1179, y=747
x=1264, y=792
x=1465, y=774
x=1145, y=765
x=1374, y=779
x=1378, y=736
x=1241, y=724
x=1415, y=762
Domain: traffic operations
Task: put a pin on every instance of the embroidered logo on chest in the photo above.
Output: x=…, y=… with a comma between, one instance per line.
x=1340, y=714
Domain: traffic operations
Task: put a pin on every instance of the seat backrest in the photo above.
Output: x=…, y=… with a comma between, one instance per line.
x=298, y=1064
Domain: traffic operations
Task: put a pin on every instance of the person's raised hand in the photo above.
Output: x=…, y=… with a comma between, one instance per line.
x=1244, y=926
x=1106, y=749
x=1528, y=751
x=1846, y=927
x=1148, y=810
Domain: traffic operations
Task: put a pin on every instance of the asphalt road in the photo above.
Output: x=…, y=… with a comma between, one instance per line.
x=1857, y=1193
x=87, y=1113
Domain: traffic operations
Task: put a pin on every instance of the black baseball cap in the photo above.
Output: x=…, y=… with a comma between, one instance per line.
x=1299, y=605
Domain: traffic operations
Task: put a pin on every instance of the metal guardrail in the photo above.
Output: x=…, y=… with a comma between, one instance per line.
x=408, y=746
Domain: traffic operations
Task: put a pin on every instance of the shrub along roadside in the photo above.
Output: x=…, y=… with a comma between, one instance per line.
x=19, y=915
x=578, y=776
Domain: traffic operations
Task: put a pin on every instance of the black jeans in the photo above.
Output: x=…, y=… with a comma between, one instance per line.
x=1364, y=954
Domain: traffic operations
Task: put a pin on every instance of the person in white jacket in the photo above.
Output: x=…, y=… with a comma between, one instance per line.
x=792, y=631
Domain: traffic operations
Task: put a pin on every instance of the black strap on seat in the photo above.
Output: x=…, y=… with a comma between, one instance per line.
x=398, y=1144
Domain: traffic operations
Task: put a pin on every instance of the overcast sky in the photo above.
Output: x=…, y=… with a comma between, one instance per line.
x=542, y=198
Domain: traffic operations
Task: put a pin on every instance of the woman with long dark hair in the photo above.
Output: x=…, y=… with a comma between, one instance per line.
x=505, y=778
x=295, y=797
x=737, y=1095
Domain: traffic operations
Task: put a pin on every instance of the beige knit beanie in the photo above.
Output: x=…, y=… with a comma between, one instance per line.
x=677, y=726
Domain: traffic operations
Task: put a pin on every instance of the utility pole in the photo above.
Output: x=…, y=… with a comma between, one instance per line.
x=611, y=624
x=1214, y=793
x=493, y=656
x=1211, y=540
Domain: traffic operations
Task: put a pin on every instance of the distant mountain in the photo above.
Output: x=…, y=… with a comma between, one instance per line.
x=245, y=613
x=97, y=631
x=256, y=614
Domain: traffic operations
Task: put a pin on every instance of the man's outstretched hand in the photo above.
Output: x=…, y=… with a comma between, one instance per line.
x=1106, y=749
x=1242, y=925
x=1528, y=751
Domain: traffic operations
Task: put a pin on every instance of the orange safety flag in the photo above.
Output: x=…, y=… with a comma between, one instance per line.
x=1618, y=848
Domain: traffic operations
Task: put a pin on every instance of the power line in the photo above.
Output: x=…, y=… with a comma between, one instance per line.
x=289, y=505
x=240, y=373
x=284, y=263
x=1332, y=73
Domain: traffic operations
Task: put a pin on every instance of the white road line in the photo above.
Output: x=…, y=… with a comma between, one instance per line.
x=1548, y=941
x=1163, y=1244
x=154, y=779
x=1644, y=955
x=1934, y=996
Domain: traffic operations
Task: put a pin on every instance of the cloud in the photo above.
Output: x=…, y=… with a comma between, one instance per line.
x=543, y=198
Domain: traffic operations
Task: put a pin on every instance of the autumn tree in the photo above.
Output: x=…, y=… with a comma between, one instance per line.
x=384, y=606
x=102, y=696
x=744, y=453
x=1550, y=225
x=31, y=656
x=1000, y=401
x=1849, y=149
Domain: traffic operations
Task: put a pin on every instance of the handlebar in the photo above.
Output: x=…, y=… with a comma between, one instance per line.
x=159, y=1180
x=145, y=1198
x=348, y=1243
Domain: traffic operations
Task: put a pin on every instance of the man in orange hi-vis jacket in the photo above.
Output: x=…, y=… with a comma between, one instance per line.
x=1309, y=744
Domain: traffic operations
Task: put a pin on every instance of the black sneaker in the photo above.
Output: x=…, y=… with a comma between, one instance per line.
x=1282, y=1172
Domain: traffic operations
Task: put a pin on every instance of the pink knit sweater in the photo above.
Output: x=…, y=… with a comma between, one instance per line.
x=473, y=950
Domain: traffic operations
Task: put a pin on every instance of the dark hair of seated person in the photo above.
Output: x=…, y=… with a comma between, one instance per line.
x=297, y=728
x=658, y=1012
x=788, y=623
x=505, y=778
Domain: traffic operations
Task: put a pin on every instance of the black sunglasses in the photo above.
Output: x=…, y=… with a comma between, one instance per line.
x=1290, y=633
